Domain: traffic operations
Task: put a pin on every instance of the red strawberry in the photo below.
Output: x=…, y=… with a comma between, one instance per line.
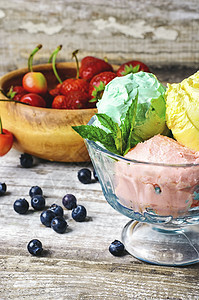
x=77, y=99
x=16, y=92
x=54, y=92
x=74, y=84
x=90, y=66
x=59, y=102
x=97, y=85
x=72, y=100
x=132, y=66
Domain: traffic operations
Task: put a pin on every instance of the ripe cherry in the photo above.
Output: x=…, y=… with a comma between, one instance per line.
x=6, y=140
x=34, y=82
x=33, y=100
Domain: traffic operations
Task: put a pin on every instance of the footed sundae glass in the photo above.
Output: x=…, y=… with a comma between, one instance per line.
x=161, y=201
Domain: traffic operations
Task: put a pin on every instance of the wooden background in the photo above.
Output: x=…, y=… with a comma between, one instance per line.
x=162, y=33
x=165, y=35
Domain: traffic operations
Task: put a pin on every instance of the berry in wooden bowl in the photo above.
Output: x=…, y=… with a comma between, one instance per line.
x=45, y=132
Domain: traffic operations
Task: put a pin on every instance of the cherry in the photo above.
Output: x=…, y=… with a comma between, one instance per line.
x=6, y=140
x=34, y=82
x=33, y=100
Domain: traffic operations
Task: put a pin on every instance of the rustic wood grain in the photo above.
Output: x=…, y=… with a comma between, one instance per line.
x=160, y=32
x=76, y=264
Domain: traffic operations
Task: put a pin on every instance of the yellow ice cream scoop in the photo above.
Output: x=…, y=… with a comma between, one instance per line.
x=182, y=111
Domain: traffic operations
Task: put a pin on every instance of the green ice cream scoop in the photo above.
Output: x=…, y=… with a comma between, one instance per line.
x=151, y=108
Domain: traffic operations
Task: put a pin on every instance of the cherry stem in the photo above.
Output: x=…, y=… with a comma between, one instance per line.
x=30, y=59
x=10, y=100
x=53, y=60
x=74, y=54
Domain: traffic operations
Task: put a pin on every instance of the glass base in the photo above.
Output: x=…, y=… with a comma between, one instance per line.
x=160, y=245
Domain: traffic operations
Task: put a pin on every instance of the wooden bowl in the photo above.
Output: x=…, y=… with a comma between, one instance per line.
x=45, y=132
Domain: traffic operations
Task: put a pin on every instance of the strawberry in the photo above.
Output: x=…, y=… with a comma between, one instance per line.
x=16, y=92
x=72, y=100
x=132, y=66
x=77, y=100
x=59, y=102
x=56, y=91
x=97, y=85
x=74, y=84
x=91, y=66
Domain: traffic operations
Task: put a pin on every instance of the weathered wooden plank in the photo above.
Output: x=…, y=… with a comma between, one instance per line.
x=76, y=264
x=157, y=32
x=71, y=279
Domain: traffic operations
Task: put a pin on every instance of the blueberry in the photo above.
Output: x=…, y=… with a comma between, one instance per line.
x=46, y=217
x=26, y=160
x=79, y=213
x=35, y=247
x=21, y=206
x=116, y=248
x=38, y=202
x=3, y=188
x=69, y=201
x=57, y=209
x=35, y=190
x=59, y=224
x=95, y=175
x=84, y=176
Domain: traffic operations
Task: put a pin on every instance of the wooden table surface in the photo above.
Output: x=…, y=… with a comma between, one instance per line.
x=76, y=264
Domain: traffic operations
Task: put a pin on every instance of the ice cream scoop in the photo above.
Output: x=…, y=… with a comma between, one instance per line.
x=165, y=189
x=151, y=108
x=182, y=111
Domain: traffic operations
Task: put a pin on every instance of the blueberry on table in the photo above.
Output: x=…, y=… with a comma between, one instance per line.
x=35, y=190
x=21, y=206
x=38, y=202
x=69, y=201
x=84, y=176
x=46, y=217
x=35, y=247
x=116, y=248
x=59, y=224
x=95, y=175
x=3, y=188
x=79, y=213
x=26, y=160
x=57, y=209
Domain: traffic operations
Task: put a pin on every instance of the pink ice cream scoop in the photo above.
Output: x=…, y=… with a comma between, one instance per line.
x=166, y=183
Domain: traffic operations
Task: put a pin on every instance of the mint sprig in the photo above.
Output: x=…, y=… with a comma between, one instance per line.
x=118, y=139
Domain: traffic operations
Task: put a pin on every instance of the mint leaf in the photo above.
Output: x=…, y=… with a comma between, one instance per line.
x=97, y=134
x=108, y=123
x=119, y=139
x=127, y=126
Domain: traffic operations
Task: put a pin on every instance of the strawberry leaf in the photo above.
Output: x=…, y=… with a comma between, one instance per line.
x=10, y=93
x=97, y=92
x=130, y=69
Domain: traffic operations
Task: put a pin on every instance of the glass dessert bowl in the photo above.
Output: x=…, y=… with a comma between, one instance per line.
x=162, y=201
